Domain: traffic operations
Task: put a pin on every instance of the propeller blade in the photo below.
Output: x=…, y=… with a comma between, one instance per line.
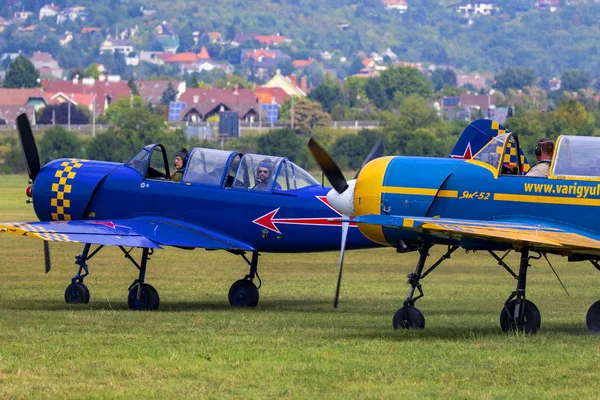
x=376, y=152
x=329, y=167
x=343, y=247
x=30, y=152
x=47, y=265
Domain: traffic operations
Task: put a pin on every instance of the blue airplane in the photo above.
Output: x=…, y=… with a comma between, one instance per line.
x=480, y=201
x=221, y=202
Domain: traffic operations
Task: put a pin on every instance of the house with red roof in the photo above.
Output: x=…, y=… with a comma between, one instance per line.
x=301, y=64
x=84, y=100
x=49, y=11
x=17, y=101
x=107, y=90
x=206, y=102
x=270, y=40
x=270, y=95
x=152, y=91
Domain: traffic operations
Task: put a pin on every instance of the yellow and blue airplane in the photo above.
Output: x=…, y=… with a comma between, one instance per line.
x=484, y=202
x=218, y=204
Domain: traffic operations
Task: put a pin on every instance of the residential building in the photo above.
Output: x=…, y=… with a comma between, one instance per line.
x=112, y=45
x=289, y=84
x=204, y=103
x=152, y=91
x=71, y=14
x=49, y=11
x=46, y=65
x=106, y=89
x=476, y=9
x=399, y=5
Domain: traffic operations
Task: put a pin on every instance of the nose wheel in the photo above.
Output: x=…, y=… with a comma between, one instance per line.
x=77, y=293
x=408, y=317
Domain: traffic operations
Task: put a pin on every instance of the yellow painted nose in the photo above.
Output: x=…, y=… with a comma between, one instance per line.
x=367, y=196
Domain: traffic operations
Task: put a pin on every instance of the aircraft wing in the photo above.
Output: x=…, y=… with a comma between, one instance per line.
x=150, y=232
x=540, y=234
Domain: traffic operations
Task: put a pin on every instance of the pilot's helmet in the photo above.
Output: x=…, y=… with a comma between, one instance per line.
x=264, y=164
x=183, y=154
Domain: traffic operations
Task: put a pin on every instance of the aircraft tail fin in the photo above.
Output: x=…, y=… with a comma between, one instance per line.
x=476, y=135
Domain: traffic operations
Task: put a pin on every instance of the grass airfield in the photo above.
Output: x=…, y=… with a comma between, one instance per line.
x=294, y=344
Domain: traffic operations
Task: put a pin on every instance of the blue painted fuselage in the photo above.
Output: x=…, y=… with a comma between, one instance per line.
x=111, y=191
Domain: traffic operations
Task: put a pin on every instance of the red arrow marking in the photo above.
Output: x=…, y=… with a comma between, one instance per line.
x=269, y=221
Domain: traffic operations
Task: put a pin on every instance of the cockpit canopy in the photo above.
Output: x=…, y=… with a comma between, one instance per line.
x=223, y=168
x=503, y=154
x=577, y=156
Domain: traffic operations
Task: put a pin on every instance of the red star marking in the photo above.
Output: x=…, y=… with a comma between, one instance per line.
x=110, y=224
x=467, y=155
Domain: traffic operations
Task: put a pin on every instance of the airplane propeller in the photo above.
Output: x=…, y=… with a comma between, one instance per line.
x=30, y=152
x=341, y=197
x=32, y=160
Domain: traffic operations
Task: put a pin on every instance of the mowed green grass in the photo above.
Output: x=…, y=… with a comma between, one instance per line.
x=294, y=344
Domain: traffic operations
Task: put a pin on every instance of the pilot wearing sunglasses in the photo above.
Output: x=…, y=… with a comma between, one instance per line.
x=263, y=175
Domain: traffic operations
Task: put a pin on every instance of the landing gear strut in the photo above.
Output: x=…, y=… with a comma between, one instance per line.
x=77, y=292
x=243, y=292
x=409, y=316
x=142, y=296
x=518, y=313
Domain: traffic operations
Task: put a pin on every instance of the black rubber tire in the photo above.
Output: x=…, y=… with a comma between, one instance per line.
x=532, y=318
x=81, y=296
x=408, y=318
x=243, y=293
x=593, y=318
x=149, y=299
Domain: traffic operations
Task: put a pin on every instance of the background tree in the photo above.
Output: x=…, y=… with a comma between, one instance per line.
x=21, y=74
x=169, y=95
x=57, y=142
x=309, y=115
x=133, y=87
x=514, y=78
x=375, y=91
x=59, y=114
x=285, y=143
x=350, y=150
x=329, y=94
x=573, y=80
x=286, y=66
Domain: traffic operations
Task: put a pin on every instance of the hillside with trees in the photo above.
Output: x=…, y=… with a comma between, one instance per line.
x=515, y=34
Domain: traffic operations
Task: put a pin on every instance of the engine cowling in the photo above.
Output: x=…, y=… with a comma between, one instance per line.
x=64, y=187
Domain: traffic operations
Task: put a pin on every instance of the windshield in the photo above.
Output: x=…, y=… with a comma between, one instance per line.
x=257, y=172
x=577, y=156
x=207, y=166
x=492, y=152
x=293, y=177
x=140, y=160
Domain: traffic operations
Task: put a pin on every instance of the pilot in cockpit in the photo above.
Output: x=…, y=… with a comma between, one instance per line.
x=264, y=174
x=544, y=149
x=179, y=163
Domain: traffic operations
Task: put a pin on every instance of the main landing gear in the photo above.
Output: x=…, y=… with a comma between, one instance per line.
x=518, y=313
x=142, y=296
x=592, y=319
x=243, y=292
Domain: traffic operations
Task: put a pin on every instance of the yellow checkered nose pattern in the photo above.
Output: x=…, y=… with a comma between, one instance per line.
x=62, y=189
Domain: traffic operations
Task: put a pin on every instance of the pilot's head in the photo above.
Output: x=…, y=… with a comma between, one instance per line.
x=544, y=148
x=181, y=158
x=264, y=170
